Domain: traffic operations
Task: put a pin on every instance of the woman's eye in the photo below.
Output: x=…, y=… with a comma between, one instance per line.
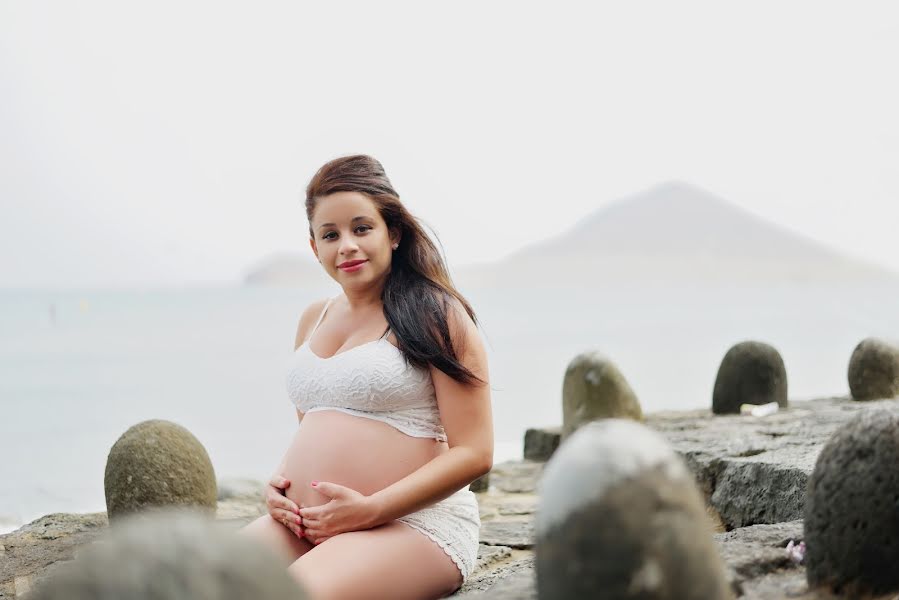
x=330, y=235
x=363, y=228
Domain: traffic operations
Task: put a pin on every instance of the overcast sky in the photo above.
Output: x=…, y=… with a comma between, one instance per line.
x=169, y=142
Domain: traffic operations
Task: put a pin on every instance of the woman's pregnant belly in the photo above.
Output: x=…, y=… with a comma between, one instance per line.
x=362, y=454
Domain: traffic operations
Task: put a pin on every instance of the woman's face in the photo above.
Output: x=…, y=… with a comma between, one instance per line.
x=351, y=239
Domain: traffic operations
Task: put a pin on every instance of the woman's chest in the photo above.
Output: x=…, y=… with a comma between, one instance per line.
x=369, y=377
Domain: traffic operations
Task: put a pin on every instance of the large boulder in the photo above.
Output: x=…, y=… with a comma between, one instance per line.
x=156, y=464
x=750, y=373
x=874, y=370
x=852, y=508
x=170, y=555
x=620, y=517
x=593, y=389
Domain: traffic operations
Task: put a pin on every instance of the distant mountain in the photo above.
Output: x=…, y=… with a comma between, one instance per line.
x=286, y=269
x=672, y=232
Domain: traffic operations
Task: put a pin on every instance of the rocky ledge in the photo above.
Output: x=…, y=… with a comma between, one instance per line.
x=753, y=471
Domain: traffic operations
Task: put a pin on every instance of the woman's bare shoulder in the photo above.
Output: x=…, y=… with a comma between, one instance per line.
x=462, y=327
x=307, y=320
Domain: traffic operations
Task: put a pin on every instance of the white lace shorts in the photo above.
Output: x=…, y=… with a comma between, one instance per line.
x=453, y=523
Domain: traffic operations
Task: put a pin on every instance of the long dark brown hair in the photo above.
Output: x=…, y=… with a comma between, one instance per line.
x=418, y=290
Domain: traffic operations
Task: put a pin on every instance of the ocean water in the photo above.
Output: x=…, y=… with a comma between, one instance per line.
x=77, y=368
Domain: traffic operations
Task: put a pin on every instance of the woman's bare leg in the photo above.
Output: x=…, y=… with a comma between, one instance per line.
x=275, y=536
x=392, y=561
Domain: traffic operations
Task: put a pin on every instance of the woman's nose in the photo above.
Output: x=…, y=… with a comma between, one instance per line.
x=347, y=245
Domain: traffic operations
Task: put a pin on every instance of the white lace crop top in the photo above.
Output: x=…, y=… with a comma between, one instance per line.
x=372, y=380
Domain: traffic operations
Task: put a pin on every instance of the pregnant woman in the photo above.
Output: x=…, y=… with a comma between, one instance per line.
x=390, y=383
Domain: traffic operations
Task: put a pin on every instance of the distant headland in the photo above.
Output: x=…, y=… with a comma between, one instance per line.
x=672, y=232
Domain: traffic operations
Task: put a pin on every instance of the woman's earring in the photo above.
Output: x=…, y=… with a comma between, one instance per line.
x=395, y=246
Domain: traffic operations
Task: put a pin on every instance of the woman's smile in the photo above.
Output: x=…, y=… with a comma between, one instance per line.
x=351, y=266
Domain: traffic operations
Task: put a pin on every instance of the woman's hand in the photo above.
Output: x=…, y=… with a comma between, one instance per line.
x=347, y=510
x=281, y=508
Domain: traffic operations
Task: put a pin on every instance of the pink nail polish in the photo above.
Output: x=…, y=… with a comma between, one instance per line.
x=314, y=483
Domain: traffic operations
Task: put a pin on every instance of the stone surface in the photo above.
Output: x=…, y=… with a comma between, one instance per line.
x=750, y=373
x=755, y=469
x=488, y=555
x=170, y=554
x=780, y=449
x=539, y=444
x=512, y=534
x=158, y=464
x=32, y=549
x=756, y=551
x=593, y=389
x=874, y=370
x=620, y=517
x=516, y=477
x=239, y=488
x=515, y=582
x=511, y=579
x=852, y=512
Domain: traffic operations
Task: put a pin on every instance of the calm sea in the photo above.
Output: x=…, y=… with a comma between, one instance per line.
x=77, y=368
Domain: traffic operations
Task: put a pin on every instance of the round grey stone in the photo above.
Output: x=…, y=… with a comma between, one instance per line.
x=155, y=464
x=852, y=508
x=593, y=389
x=750, y=373
x=874, y=370
x=620, y=517
x=167, y=554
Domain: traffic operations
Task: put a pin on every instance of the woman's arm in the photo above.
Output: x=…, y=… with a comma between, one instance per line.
x=466, y=414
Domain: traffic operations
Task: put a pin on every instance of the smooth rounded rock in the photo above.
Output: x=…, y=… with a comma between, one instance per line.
x=620, y=517
x=593, y=389
x=852, y=508
x=874, y=370
x=156, y=464
x=540, y=443
x=750, y=373
x=173, y=555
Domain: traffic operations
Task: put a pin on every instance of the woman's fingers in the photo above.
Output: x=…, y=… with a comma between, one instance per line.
x=279, y=482
x=290, y=506
x=281, y=508
x=292, y=522
x=315, y=537
x=275, y=500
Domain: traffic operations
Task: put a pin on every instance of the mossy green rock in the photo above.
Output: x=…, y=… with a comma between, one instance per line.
x=750, y=373
x=594, y=389
x=157, y=464
x=874, y=370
